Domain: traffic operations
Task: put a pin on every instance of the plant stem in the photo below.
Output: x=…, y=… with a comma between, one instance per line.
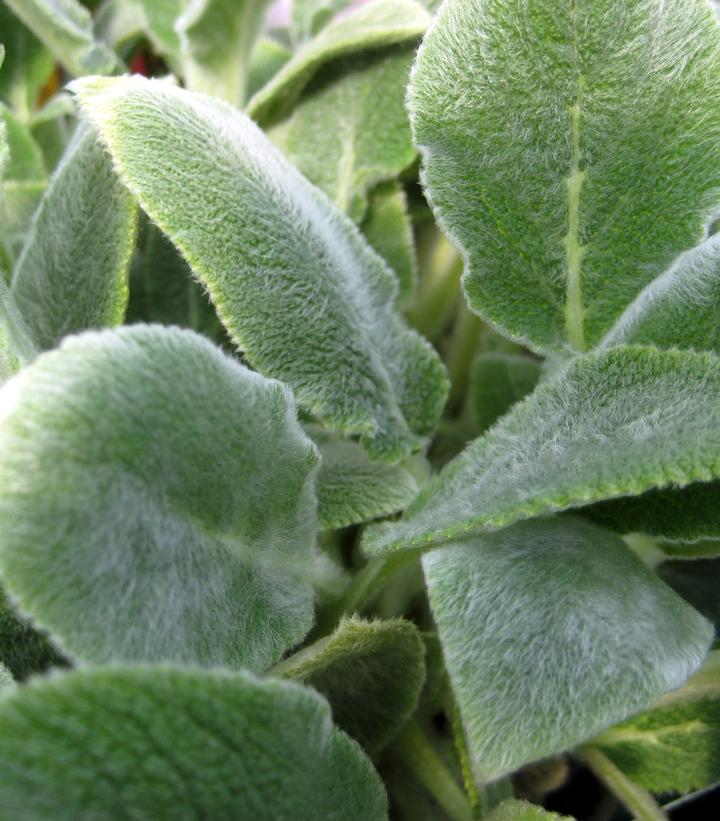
x=422, y=760
x=637, y=800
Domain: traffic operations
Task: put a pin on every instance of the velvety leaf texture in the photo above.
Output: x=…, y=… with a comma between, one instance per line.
x=545, y=127
x=65, y=27
x=159, y=742
x=497, y=382
x=370, y=672
x=156, y=502
x=216, y=38
x=552, y=630
x=292, y=279
x=309, y=16
x=73, y=270
x=16, y=347
x=611, y=424
x=352, y=489
x=267, y=58
x=674, y=747
x=350, y=131
x=375, y=24
x=514, y=810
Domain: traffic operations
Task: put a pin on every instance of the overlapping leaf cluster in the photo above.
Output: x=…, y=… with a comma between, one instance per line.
x=264, y=285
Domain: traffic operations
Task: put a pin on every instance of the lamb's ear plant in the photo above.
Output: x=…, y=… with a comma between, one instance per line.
x=359, y=426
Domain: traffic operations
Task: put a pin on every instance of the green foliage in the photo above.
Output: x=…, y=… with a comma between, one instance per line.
x=552, y=630
x=370, y=672
x=159, y=742
x=611, y=424
x=156, y=502
x=27, y=67
x=514, y=810
x=311, y=307
x=516, y=108
x=497, y=382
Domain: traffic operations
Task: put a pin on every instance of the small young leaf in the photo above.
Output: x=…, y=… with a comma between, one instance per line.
x=611, y=424
x=350, y=131
x=156, y=501
x=698, y=582
x=388, y=229
x=514, y=810
x=552, y=630
x=545, y=128
x=160, y=742
x=217, y=37
x=292, y=279
x=352, y=489
x=675, y=746
x=497, y=382
x=309, y=16
x=375, y=24
x=679, y=309
x=267, y=58
x=27, y=66
x=158, y=20
x=65, y=27
x=370, y=672
x=72, y=272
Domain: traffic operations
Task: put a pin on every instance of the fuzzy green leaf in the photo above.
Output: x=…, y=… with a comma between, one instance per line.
x=497, y=382
x=679, y=309
x=370, y=672
x=675, y=746
x=552, y=630
x=217, y=37
x=72, y=273
x=375, y=24
x=309, y=16
x=350, y=131
x=6, y=679
x=267, y=58
x=156, y=501
x=514, y=810
x=705, y=549
x=698, y=582
x=159, y=742
x=292, y=279
x=388, y=229
x=351, y=489
x=65, y=27
x=16, y=347
x=158, y=19
x=613, y=423
x=27, y=66
x=545, y=128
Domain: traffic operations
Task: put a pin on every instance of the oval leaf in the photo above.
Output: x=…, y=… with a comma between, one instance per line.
x=156, y=501
x=159, y=742
x=612, y=424
x=545, y=128
x=292, y=279
x=552, y=630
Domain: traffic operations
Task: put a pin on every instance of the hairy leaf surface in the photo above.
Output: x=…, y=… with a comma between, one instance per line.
x=515, y=810
x=351, y=488
x=375, y=24
x=65, y=27
x=612, y=424
x=267, y=58
x=370, y=672
x=73, y=270
x=309, y=16
x=552, y=630
x=675, y=746
x=545, y=127
x=156, y=501
x=292, y=279
x=350, y=130
x=497, y=382
x=160, y=742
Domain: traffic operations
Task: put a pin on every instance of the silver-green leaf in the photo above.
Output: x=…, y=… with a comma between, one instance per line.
x=292, y=279
x=552, y=630
x=545, y=128
x=162, y=742
x=611, y=424
x=156, y=502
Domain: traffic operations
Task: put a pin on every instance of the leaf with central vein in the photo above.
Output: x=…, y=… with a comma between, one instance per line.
x=293, y=280
x=376, y=24
x=545, y=127
x=675, y=746
x=350, y=131
x=552, y=630
x=216, y=38
x=65, y=27
x=156, y=502
x=73, y=270
x=612, y=424
x=162, y=742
